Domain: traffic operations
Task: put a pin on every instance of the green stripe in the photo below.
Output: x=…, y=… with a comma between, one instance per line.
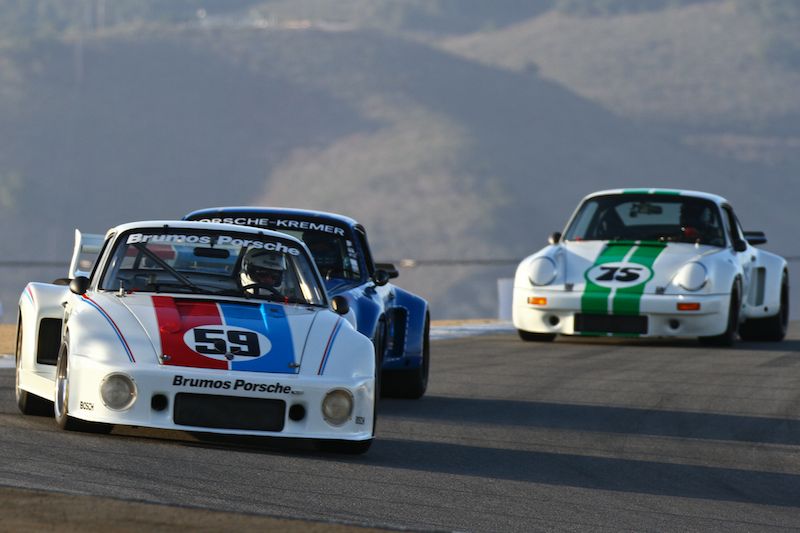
x=652, y=191
x=627, y=300
x=595, y=298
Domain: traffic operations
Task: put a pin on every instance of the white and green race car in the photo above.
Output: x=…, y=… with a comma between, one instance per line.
x=653, y=263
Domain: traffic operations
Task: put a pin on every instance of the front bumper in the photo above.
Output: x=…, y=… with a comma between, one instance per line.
x=663, y=317
x=85, y=402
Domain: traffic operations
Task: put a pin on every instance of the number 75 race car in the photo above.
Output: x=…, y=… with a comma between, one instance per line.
x=199, y=327
x=653, y=263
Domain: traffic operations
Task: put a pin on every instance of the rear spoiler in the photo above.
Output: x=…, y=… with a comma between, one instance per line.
x=84, y=255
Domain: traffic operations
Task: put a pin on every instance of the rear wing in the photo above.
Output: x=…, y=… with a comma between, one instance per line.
x=87, y=249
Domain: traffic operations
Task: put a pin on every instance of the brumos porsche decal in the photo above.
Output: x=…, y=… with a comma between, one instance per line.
x=616, y=281
x=226, y=336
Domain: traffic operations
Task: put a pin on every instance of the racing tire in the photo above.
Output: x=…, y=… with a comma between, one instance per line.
x=530, y=336
x=411, y=384
x=729, y=336
x=61, y=402
x=771, y=328
x=348, y=447
x=28, y=404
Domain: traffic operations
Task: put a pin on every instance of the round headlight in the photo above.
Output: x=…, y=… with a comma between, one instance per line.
x=692, y=276
x=337, y=407
x=542, y=271
x=118, y=391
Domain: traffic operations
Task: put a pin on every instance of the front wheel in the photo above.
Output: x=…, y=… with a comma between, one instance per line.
x=61, y=403
x=729, y=336
x=349, y=447
x=772, y=328
x=530, y=336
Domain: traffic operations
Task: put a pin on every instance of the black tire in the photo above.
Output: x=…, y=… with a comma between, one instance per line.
x=771, y=328
x=28, y=404
x=530, y=336
x=61, y=403
x=349, y=447
x=411, y=384
x=729, y=336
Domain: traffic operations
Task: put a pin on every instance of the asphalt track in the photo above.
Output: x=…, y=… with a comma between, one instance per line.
x=576, y=435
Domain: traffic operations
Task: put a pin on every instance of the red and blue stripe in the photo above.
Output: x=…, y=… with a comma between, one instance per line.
x=113, y=326
x=329, y=346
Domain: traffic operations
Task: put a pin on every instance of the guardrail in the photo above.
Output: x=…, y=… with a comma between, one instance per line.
x=401, y=263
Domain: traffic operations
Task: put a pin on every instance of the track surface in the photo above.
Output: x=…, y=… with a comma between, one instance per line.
x=513, y=436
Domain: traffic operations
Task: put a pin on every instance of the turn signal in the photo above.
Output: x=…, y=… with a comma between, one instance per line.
x=688, y=306
x=537, y=300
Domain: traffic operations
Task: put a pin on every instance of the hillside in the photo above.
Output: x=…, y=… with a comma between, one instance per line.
x=442, y=139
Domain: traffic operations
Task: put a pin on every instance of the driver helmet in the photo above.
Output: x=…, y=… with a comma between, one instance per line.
x=262, y=267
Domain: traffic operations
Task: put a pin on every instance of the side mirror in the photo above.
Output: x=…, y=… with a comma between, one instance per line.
x=739, y=245
x=389, y=268
x=554, y=237
x=380, y=277
x=339, y=305
x=79, y=285
x=755, y=237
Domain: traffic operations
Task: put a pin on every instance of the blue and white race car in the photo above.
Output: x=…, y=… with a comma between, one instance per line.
x=208, y=328
x=653, y=263
x=397, y=321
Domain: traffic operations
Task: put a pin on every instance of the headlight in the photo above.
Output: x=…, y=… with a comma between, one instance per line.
x=337, y=407
x=118, y=391
x=692, y=276
x=542, y=271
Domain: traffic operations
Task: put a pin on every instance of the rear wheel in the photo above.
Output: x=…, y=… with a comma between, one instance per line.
x=28, y=403
x=772, y=328
x=530, y=336
x=729, y=336
x=61, y=403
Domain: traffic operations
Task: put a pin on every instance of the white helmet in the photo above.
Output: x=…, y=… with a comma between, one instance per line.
x=262, y=267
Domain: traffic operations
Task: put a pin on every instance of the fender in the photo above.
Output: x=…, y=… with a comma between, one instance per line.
x=41, y=309
x=415, y=310
x=765, y=290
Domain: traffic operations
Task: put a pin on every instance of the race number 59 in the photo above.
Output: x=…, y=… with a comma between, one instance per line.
x=224, y=342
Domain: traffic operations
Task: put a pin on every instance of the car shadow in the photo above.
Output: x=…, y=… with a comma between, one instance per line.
x=600, y=473
x=599, y=418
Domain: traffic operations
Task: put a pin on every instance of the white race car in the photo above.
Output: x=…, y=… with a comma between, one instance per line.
x=653, y=263
x=198, y=327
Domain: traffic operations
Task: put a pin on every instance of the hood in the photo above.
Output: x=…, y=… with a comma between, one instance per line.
x=625, y=265
x=220, y=334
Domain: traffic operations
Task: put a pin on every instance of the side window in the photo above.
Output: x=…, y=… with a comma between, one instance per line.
x=361, y=237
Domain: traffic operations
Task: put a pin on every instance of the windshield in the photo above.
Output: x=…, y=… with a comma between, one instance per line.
x=212, y=263
x=647, y=217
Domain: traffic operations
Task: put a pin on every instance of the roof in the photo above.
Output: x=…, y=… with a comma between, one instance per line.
x=205, y=226
x=220, y=212
x=659, y=191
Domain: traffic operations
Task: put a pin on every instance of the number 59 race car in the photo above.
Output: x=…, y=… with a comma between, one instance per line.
x=199, y=327
x=653, y=263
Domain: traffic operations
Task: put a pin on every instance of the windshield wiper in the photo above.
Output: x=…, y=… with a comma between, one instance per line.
x=163, y=264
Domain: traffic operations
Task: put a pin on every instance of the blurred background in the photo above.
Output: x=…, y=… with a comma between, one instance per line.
x=459, y=132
